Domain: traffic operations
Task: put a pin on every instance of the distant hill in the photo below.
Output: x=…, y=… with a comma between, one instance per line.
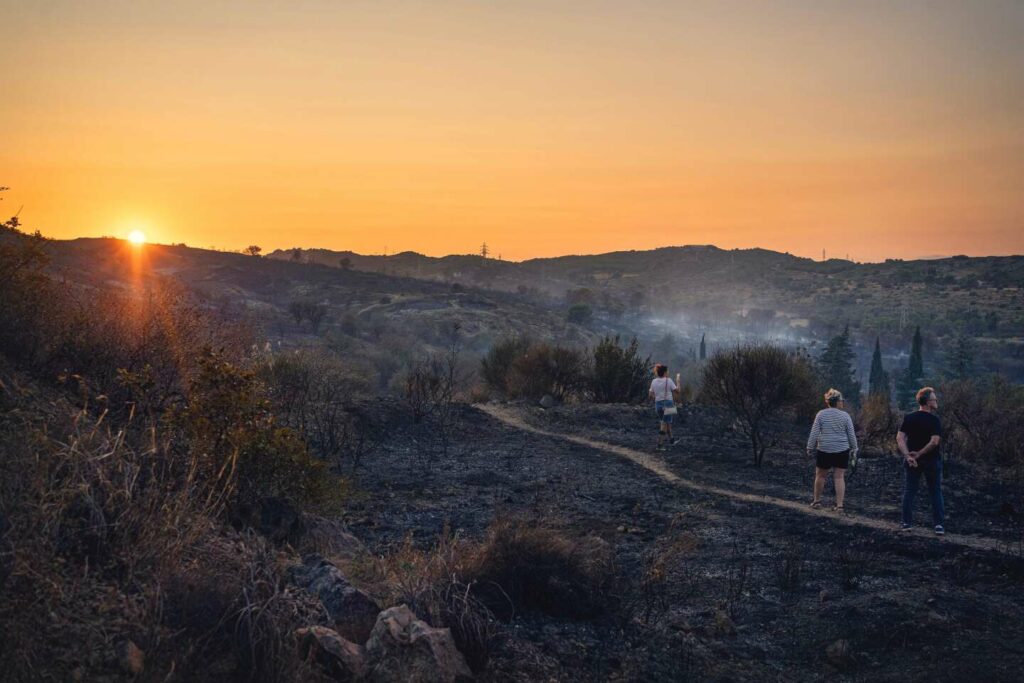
x=757, y=290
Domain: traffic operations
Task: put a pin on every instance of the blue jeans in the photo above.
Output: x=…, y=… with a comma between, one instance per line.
x=932, y=471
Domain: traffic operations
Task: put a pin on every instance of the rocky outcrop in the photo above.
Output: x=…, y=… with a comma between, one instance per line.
x=353, y=612
x=403, y=648
x=340, y=659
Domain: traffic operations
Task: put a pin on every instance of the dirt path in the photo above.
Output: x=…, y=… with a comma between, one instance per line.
x=658, y=466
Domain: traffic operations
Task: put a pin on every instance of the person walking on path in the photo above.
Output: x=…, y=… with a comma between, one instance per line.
x=918, y=440
x=661, y=392
x=833, y=443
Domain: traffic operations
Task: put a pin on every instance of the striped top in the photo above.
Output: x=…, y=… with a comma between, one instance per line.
x=832, y=432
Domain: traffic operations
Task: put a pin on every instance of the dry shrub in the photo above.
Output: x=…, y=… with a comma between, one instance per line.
x=107, y=539
x=879, y=422
x=666, y=578
x=520, y=565
x=542, y=369
x=433, y=584
x=983, y=420
x=760, y=385
x=789, y=566
x=497, y=363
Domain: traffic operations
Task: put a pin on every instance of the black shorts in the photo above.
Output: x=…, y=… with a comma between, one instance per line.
x=827, y=461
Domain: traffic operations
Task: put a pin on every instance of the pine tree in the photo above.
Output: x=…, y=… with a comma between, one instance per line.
x=837, y=366
x=703, y=349
x=879, y=378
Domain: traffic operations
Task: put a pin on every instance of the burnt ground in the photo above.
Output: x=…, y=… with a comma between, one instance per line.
x=768, y=593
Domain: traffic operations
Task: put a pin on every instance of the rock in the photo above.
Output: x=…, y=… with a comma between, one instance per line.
x=341, y=659
x=130, y=658
x=824, y=596
x=403, y=648
x=354, y=612
x=839, y=654
x=547, y=402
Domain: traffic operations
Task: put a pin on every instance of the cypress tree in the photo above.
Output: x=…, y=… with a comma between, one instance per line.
x=916, y=368
x=703, y=348
x=879, y=378
x=913, y=377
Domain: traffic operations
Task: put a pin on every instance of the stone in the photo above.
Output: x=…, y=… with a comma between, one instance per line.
x=340, y=659
x=823, y=596
x=404, y=648
x=353, y=612
x=130, y=658
x=547, y=402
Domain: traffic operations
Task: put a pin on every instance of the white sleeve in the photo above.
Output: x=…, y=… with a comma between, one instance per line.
x=671, y=385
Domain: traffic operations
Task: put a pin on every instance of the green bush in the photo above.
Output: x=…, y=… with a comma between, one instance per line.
x=620, y=374
x=543, y=369
x=497, y=364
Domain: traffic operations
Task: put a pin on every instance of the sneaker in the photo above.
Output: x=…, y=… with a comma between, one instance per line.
x=906, y=527
x=939, y=530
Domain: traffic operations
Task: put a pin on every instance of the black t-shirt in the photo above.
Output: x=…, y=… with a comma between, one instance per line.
x=920, y=427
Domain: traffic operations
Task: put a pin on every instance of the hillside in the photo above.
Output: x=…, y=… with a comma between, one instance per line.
x=761, y=292
x=386, y=319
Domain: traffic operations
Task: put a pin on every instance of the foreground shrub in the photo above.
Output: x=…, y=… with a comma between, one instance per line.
x=759, y=384
x=240, y=453
x=983, y=420
x=521, y=566
x=620, y=373
x=433, y=583
x=314, y=394
x=105, y=543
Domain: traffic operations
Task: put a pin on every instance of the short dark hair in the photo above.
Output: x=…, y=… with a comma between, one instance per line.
x=660, y=370
x=924, y=395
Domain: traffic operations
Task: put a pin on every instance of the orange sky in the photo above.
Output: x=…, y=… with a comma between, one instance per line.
x=872, y=128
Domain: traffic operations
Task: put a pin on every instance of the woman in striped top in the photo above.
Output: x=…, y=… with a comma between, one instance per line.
x=833, y=443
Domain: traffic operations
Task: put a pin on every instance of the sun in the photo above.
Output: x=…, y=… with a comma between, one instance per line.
x=137, y=237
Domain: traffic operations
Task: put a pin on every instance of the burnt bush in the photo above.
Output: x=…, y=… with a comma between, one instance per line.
x=522, y=566
x=497, y=363
x=543, y=369
x=759, y=384
x=619, y=373
x=983, y=420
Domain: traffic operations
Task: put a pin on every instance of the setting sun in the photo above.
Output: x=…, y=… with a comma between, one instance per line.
x=137, y=237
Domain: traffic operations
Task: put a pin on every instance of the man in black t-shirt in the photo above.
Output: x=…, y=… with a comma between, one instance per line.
x=918, y=441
